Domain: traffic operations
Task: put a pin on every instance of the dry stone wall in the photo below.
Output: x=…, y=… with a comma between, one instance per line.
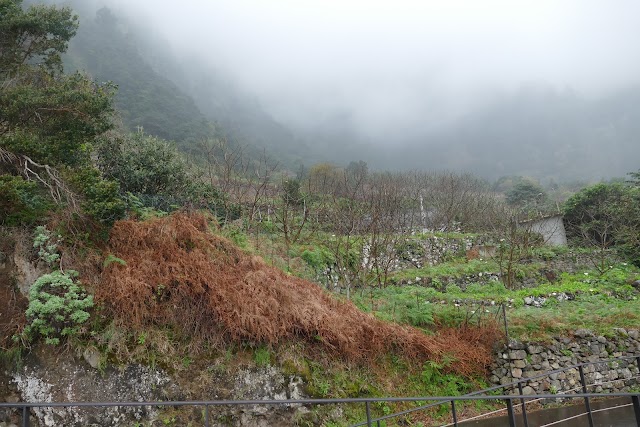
x=432, y=250
x=523, y=360
x=413, y=252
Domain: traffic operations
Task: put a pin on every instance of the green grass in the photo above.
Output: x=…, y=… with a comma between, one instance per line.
x=600, y=303
x=548, y=253
x=455, y=268
x=598, y=312
x=262, y=356
x=390, y=376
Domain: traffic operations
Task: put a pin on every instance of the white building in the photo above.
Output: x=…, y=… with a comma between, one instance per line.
x=550, y=227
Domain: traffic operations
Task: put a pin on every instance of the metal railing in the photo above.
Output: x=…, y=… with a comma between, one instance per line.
x=25, y=407
x=530, y=397
x=512, y=401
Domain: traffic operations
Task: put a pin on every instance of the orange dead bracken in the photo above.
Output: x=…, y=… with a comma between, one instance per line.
x=180, y=274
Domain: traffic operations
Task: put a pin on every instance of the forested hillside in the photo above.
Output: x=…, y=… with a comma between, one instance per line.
x=186, y=102
x=144, y=97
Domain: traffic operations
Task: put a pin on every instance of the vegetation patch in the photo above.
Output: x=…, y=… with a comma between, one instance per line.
x=586, y=299
x=57, y=307
x=177, y=273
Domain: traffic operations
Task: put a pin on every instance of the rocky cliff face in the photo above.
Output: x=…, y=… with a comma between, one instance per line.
x=49, y=377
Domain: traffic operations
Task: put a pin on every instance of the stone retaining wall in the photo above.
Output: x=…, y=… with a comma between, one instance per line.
x=529, y=359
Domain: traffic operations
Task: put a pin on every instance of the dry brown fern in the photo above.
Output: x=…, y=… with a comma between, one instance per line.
x=180, y=274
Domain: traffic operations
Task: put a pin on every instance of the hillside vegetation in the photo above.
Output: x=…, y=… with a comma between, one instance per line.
x=177, y=274
x=114, y=242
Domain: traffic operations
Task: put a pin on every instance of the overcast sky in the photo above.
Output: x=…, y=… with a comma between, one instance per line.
x=402, y=63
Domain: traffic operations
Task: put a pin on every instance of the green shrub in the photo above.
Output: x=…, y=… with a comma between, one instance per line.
x=453, y=289
x=236, y=234
x=103, y=201
x=446, y=384
x=21, y=202
x=57, y=307
x=205, y=196
x=409, y=249
x=495, y=288
x=143, y=164
x=606, y=216
x=137, y=208
x=268, y=227
x=113, y=259
x=406, y=304
x=545, y=253
x=47, y=250
x=317, y=257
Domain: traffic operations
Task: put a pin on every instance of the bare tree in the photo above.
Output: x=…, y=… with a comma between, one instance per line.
x=387, y=201
x=514, y=245
x=343, y=212
x=291, y=213
x=366, y=216
x=245, y=181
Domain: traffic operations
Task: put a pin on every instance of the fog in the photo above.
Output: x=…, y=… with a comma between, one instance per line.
x=545, y=88
x=394, y=65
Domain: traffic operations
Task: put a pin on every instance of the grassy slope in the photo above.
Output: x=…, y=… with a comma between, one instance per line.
x=598, y=302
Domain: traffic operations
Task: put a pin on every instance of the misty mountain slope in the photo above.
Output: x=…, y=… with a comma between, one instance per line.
x=241, y=117
x=175, y=99
x=144, y=98
x=538, y=132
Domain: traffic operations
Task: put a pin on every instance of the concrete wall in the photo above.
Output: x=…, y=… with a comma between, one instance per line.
x=551, y=228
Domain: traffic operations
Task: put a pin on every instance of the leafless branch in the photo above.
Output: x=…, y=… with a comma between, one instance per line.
x=44, y=174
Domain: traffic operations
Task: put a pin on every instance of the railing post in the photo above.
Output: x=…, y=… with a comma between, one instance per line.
x=368, y=413
x=587, y=403
x=524, y=409
x=453, y=412
x=206, y=415
x=506, y=324
x=25, y=416
x=636, y=407
x=510, y=413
